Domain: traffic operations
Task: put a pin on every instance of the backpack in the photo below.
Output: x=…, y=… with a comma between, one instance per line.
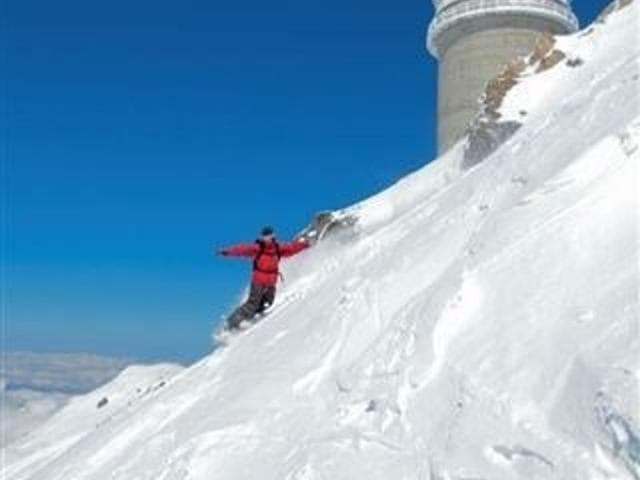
x=256, y=259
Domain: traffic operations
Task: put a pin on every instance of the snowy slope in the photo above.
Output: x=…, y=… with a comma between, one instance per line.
x=478, y=324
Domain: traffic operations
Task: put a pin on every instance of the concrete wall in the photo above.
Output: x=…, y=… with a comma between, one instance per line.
x=471, y=54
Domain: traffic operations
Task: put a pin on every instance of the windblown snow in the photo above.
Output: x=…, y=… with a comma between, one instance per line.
x=474, y=324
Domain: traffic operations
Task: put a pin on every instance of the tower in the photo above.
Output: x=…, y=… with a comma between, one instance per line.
x=474, y=39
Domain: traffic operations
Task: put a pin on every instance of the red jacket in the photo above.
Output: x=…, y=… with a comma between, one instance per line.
x=266, y=258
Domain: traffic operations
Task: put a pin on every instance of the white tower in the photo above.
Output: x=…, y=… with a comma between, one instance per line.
x=474, y=40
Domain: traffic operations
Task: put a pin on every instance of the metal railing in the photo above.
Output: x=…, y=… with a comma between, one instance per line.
x=466, y=9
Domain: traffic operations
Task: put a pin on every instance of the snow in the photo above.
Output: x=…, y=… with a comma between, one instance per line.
x=475, y=324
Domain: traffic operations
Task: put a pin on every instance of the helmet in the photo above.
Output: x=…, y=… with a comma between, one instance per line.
x=268, y=230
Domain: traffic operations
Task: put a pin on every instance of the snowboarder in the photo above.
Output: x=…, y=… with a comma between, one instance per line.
x=266, y=253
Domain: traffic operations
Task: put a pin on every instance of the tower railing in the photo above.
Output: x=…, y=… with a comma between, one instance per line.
x=465, y=9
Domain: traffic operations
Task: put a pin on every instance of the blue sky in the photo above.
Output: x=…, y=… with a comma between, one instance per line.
x=141, y=134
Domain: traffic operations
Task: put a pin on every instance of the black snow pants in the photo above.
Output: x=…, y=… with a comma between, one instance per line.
x=260, y=297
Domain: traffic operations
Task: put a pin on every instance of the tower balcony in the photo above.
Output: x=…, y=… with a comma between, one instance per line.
x=451, y=13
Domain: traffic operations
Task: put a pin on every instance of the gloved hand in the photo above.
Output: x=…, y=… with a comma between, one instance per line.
x=222, y=252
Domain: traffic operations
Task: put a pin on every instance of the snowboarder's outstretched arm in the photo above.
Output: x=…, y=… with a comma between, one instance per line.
x=242, y=250
x=293, y=248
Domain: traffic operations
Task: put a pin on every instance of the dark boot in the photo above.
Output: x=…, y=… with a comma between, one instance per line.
x=268, y=297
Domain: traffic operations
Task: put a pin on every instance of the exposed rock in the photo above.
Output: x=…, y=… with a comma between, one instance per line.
x=551, y=60
x=326, y=223
x=485, y=139
x=487, y=131
x=545, y=55
x=574, y=62
x=544, y=45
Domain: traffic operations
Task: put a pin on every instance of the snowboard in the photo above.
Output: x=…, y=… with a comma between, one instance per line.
x=225, y=335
